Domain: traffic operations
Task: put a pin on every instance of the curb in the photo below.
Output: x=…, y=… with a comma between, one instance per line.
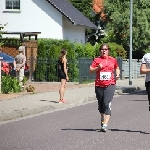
x=26, y=112
x=127, y=90
x=23, y=113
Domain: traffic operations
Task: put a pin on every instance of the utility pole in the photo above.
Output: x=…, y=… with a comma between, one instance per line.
x=130, y=54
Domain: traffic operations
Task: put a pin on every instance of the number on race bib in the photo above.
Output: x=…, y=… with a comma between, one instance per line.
x=105, y=75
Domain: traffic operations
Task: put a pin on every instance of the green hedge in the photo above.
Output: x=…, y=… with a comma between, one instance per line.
x=49, y=50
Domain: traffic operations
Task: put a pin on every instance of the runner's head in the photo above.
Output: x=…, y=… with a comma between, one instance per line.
x=104, y=49
x=63, y=53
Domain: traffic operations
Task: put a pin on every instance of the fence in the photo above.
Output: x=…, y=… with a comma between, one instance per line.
x=46, y=70
x=84, y=65
x=124, y=68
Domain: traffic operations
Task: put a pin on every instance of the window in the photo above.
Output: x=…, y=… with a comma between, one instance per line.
x=12, y=4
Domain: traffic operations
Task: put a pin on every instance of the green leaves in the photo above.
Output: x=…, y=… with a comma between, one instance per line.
x=84, y=6
x=1, y=32
x=10, y=84
x=118, y=12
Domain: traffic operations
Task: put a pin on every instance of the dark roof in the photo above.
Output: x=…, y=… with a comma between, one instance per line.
x=71, y=13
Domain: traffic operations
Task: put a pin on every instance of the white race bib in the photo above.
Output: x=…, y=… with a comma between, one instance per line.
x=105, y=75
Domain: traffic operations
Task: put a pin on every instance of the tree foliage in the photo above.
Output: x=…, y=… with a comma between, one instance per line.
x=1, y=33
x=118, y=22
x=84, y=6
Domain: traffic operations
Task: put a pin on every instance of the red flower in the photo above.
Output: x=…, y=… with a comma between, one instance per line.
x=5, y=67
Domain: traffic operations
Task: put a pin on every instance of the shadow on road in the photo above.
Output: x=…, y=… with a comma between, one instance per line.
x=142, y=132
x=140, y=92
x=139, y=100
x=98, y=130
x=81, y=129
x=48, y=101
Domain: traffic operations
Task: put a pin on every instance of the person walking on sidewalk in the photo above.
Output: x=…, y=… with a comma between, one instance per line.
x=145, y=69
x=63, y=74
x=19, y=63
x=105, y=83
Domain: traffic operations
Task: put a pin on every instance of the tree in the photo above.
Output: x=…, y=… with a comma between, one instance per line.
x=84, y=6
x=41, y=64
x=118, y=22
x=1, y=33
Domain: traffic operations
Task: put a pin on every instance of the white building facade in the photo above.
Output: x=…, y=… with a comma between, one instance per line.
x=38, y=16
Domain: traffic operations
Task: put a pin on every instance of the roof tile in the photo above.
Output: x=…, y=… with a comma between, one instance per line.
x=72, y=13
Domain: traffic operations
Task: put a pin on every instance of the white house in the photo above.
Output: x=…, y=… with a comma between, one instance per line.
x=57, y=19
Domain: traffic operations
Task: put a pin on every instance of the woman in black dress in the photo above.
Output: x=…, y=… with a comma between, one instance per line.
x=63, y=74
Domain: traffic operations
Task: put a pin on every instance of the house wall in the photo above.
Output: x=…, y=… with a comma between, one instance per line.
x=74, y=33
x=34, y=16
x=40, y=16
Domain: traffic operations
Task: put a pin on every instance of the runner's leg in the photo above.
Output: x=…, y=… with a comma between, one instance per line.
x=62, y=88
x=99, y=95
x=108, y=96
x=148, y=93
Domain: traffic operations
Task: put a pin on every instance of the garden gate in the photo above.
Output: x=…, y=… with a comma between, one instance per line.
x=10, y=46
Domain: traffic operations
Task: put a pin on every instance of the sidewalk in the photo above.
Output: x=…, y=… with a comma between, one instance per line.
x=47, y=96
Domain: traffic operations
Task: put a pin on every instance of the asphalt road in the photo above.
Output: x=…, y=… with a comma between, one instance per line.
x=77, y=128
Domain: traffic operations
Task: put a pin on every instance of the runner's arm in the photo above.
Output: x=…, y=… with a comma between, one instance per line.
x=93, y=70
x=143, y=69
x=117, y=72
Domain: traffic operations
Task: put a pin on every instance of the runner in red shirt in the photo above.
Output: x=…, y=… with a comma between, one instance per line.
x=105, y=84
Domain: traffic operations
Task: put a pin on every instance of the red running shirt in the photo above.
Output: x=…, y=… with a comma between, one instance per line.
x=105, y=75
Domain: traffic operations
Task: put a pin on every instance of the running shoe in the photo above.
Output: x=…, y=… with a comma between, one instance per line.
x=103, y=128
x=62, y=101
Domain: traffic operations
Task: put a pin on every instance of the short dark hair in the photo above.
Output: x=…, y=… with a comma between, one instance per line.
x=104, y=44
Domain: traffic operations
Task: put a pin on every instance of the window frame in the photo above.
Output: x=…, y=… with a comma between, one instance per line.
x=11, y=10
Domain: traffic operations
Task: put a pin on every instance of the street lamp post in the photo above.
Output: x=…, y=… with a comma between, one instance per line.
x=130, y=54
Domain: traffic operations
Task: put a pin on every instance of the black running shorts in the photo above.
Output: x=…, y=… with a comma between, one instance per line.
x=104, y=96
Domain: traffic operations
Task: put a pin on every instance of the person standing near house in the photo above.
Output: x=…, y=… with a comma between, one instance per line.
x=63, y=74
x=145, y=69
x=19, y=63
x=105, y=83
